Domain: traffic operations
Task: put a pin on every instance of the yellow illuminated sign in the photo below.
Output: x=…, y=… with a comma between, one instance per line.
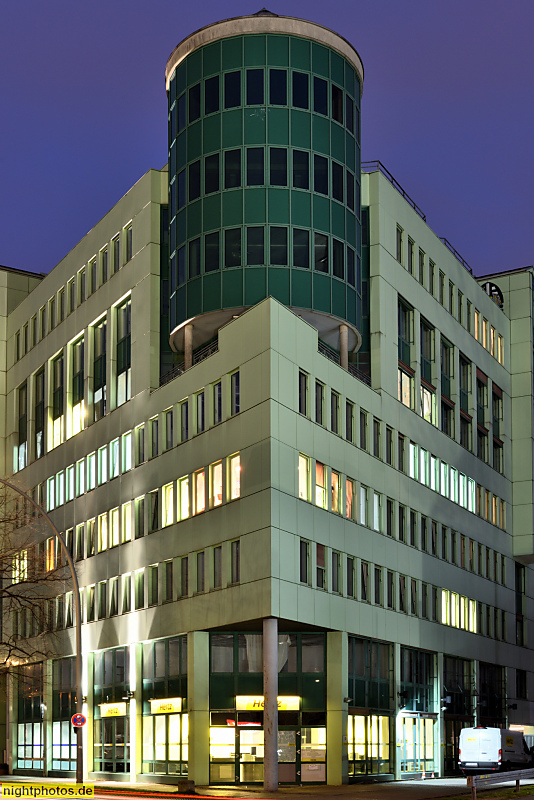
x=113, y=709
x=168, y=705
x=246, y=702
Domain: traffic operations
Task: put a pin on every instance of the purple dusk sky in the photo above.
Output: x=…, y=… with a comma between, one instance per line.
x=448, y=107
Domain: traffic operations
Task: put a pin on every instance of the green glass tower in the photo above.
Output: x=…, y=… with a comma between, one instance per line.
x=264, y=177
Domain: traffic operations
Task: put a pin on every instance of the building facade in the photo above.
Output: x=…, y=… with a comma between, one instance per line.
x=288, y=438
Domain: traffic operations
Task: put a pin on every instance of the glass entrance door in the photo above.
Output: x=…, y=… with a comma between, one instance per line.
x=417, y=744
x=250, y=755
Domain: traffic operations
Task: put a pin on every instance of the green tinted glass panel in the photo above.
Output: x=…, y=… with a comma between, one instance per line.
x=320, y=134
x=336, y=68
x=194, y=218
x=212, y=133
x=181, y=228
x=212, y=292
x=338, y=299
x=181, y=151
x=321, y=213
x=321, y=292
x=194, y=297
x=194, y=67
x=300, y=53
x=211, y=57
x=212, y=212
x=320, y=60
x=255, y=288
x=278, y=125
x=232, y=128
x=278, y=205
x=194, y=140
x=255, y=126
x=255, y=210
x=337, y=142
x=278, y=51
x=338, y=220
x=300, y=129
x=351, y=305
x=350, y=150
x=232, y=56
x=181, y=79
x=349, y=79
x=254, y=51
x=279, y=284
x=232, y=207
x=350, y=228
x=232, y=288
x=301, y=209
x=301, y=292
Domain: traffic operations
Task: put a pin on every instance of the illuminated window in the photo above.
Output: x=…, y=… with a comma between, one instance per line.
x=99, y=369
x=60, y=488
x=102, y=465
x=234, y=464
x=320, y=487
x=114, y=458
x=77, y=386
x=478, y=327
x=183, y=487
x=127, y=521
x=58, y=420
x=115, y=527
x=412, y=460
x=168, y=504
x=485, y=332
x=216, y=484
x=405, y=388
x=50, y=494
x=199, y=491
x=80, y=477
x=102, y=532
x=126, y=442
x=500, y=351
x=362, y=516
x=349, y=499
x=428, y=405
x=91, y=471
x=376, y=511
x=50, y=554
x=69, y=483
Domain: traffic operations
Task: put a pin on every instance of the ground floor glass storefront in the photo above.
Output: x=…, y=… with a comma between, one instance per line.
x=416, y=737
x=369, y=745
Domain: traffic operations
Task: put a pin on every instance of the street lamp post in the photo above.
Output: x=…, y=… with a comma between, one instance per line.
x=79, y=698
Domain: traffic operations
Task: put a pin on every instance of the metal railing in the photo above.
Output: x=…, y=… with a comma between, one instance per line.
x=482, y=781
x=198, y=356
x=456, y=254
x=333, y=355
x=373, y=166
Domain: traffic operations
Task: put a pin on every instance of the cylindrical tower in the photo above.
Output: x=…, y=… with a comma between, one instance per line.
x=264, y=177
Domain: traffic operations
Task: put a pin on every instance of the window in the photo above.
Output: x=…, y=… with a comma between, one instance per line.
x=99, y=369
x=232, y=172
x=211, y=95
x=320, y=485
x=349, y=421
x=405, y=315
x=255, y=167
x=334, y=412
x=128, y=241
x=351, y=588
x=102, y=541
x=363, y=429
x=390, y=589
x=304, y=477
x=211, y=174
x=376, y=511
x=153, y=585
x=320, y=566
x=335, y=486
x=102, y=467
x=303, y=393
x=139, y=589
x=216, y=484
x=337, y=104
x=336, y=572
x=39, y=412
x=320, y=174
x=235, y=565
x=254, y=87
x=199, y=491
x=184, y=577
x=154, y=437
x=362, y=506
x=300, y=90
x=447, y=354
x=235, y=394
x=427, y=357
x=421, y=267
x=168, y=504
x=126, y=593
x=399, y=241
x=337, y=181
x=194, y=180
x=200, y=572
x=183, y=496
x=21, y=456
x=376, y=438
x=127, y=521
x=58, y=422
x=211, y=252
x=234, y=469
x=402, y=593
x=200, y=408
x=153, y=511
x=184, y=421
x=81, y=286
x=411, y=256
x=350, y=504
x=301, y=170
x=104, y=265
x=405, y=388
x=447, y=419
x=402, y=523
x=441, y=288
x=320, y=96
x=321, y=252
x=364, y=582
x=255, y=246
x=217, y=402
x=123, y=351
x=278, y=166
x=319, y=403
x=389, y=517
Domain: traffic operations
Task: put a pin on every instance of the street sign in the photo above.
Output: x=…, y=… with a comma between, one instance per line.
x=78, y=720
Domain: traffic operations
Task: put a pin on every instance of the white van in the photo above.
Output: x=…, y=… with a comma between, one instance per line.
x=493, y=749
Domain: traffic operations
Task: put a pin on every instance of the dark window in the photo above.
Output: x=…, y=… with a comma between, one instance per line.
x=194, y=258
x=320, y=174
x=194, y=103
x=350, y=190
x=232, y=247
x=194, y=180
x=180, y=105
x=337, y=104
x=301, y=248
x=304, y=557
x=320, y=96
x=300, y=90
x=232, y=169
x=278, y=87
x=338, y=267
x=181, y=189
x=337, y=181
x=279, y=246
x=254, y=87
x=255, y=246
x=349, y=113
x=211, y=95
x=351, y=277
x=211, y=252
x=278, y=166
x=232, y=89
x=181, y=265
x=301, y=169
x=321, y=252
x=211, y=174
x=255, y=166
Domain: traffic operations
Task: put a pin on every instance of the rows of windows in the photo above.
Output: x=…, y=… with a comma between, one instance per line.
x=188, y=496
x=469, y=393
x=259, y=87
x=342, y=495
x=87, y=280
x=204, y=570
x=383, y=442
x=257, y=245
x=423, y=269
x=271, y=166
x=330, y=570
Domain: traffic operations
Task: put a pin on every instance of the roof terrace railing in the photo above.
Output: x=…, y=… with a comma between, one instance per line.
x=198, y=356
x=373, y=166
x=333, y=355
x=456, y=254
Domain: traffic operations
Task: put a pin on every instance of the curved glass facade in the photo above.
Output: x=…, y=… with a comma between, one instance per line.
x=264, y=177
